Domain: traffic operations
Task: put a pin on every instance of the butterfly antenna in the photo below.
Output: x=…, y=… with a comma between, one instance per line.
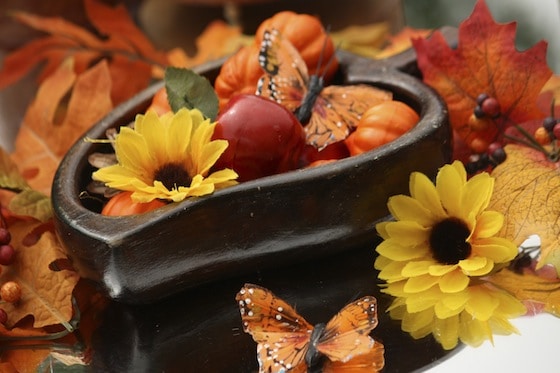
x=321, y=55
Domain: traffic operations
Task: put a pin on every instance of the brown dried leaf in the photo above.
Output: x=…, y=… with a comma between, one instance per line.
x=46, y=295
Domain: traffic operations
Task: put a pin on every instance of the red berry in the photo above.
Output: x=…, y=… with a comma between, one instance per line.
x=5, y=236
x=7, y=254
x=3, y=317
x=493, y=147
x=556, y=131
x=481, y=98
x=491, y=107
x=549, y=123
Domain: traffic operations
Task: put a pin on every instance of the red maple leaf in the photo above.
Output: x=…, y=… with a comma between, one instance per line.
x=485, y=61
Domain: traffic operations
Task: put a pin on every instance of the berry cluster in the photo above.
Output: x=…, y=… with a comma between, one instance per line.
x=486, y=110
x=548, y=132
x=10, y=291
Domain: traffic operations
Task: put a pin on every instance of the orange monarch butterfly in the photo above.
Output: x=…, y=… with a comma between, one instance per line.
x=329, y=113
x=286, y=342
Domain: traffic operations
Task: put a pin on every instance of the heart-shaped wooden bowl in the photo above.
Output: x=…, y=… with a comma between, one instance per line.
x=268, y=222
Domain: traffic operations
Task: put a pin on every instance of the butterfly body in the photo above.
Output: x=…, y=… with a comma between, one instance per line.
x=327, y=113
x=286, y=342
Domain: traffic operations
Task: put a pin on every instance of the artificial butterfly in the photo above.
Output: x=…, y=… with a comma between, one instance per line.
x=328, y=113
x=286, y=342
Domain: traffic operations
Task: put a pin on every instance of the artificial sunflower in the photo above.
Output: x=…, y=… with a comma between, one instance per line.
x=436, y=253
x=167, y=157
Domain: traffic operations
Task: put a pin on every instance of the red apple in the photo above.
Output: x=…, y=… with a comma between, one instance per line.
x=264, y=137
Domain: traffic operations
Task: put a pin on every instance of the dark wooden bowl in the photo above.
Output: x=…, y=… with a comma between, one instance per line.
x=269, y=222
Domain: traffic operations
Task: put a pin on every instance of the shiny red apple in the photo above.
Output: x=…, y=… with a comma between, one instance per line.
x=264, y=137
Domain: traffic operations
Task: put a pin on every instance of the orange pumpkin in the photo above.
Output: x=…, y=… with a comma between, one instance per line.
x=159, y=102
x=241, y=72
x=308, y=36
x=381, y=124
x=121, y=204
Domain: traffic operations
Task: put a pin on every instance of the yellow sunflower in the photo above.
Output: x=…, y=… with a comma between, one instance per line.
x=437, y=251
x=167, y=157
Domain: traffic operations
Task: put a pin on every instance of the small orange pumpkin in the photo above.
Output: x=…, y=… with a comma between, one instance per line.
x=121, y=204
x=241, y=72
x=381, y=124
x=159, y=102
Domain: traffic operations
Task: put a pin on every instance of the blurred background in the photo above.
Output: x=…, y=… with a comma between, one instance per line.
x=171, y=23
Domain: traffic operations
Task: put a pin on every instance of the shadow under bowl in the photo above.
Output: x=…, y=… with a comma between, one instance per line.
x=263, y=223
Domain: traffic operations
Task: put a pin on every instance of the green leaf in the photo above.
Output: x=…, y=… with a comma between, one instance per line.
x=32, y=203
x=187, y=89
x=10, y=177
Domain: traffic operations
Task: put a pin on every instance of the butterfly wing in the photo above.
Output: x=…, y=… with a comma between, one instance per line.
x=286, y=77
x=338, y=110
x=281, y=333
x=346, y=335
x=372, y=361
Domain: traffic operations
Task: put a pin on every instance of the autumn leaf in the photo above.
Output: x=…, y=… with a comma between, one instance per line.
x=10, y=177
x=365, y=40
x=485, y=61
x=530, y=288
x=527, y=192
x=46, y=294
x=118, y=40
x=51, y=125
x=401, y=41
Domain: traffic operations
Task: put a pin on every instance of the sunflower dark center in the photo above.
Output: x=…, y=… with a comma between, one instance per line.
x=448, y=241
x=173, y=175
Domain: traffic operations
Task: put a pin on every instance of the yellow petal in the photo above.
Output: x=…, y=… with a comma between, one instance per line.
x=488, y=224
x=442, y=311
x=454, y=282
x=474, y=332
x=499, y=249
x=391, y=271
x=394, y=251
x=420, y=283
x=441, y=269
x=209, y=155
x=446, y=331
x=132, y=153
x=473, y=264
x=416, y=268
x=422, y=189
x=381, y=229
x=413, y=322
x=482, y=303
x=407, y=233
x=449, y=184
x=420, y=301
x=407, y=208
x=476, y=195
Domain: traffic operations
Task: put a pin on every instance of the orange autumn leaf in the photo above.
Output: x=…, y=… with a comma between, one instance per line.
x=527, y=192
x=485, y=61
x=46, y=294
x=51, y=125
x=22, y=360
x=530, y=288
x=118, y=40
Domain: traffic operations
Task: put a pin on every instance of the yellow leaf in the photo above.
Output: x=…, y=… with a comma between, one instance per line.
x=365, y=40
x=527, y=192
x=528, y=287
